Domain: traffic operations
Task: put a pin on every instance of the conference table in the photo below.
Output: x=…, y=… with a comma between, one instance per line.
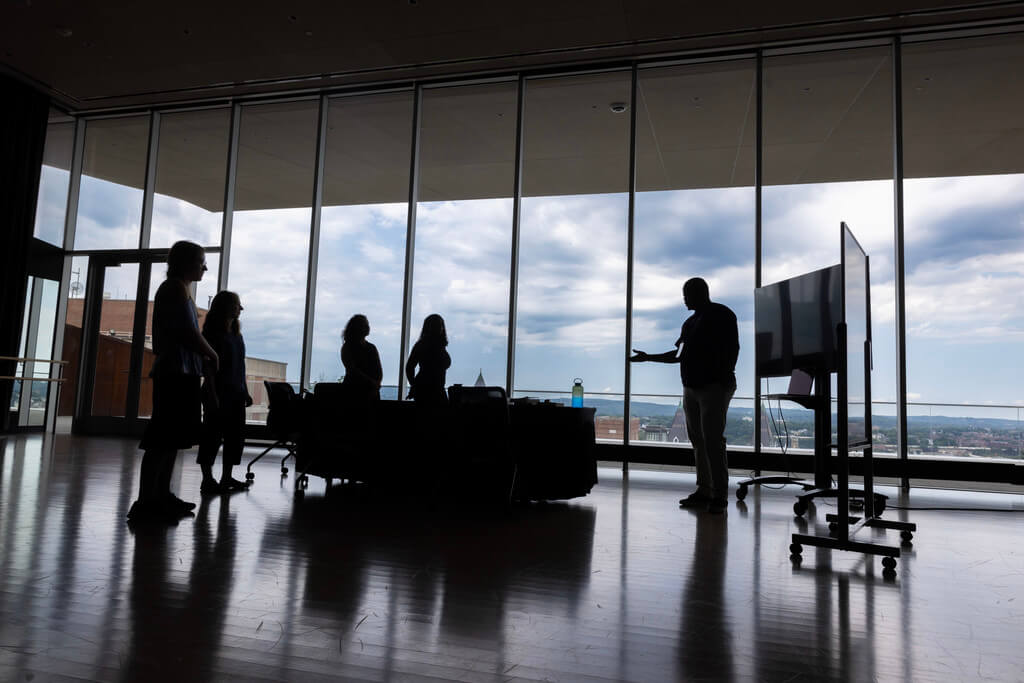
x=537, y=450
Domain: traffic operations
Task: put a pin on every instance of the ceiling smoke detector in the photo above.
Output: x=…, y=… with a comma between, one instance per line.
x=618, y=107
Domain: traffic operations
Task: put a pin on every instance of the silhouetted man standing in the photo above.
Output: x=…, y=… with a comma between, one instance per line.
x=706, y=351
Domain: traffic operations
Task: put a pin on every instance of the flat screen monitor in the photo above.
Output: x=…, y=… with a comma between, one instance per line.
x=795, y=323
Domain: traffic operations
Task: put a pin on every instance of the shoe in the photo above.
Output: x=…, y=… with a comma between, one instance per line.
x=140, y=510
x=718, y=505
x=233, y=485
x=210, y=488
x=695, y=500
x=145, y=513
x=178, y=505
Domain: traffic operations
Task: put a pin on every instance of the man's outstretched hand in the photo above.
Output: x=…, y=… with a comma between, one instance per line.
x=638, y=356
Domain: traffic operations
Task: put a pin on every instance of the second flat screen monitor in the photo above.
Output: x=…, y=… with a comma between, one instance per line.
x=795, y=323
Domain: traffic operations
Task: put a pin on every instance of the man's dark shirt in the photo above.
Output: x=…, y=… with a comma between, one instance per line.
x=711, y=344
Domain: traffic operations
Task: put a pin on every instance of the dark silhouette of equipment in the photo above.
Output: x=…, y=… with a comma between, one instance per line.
x=283, y=421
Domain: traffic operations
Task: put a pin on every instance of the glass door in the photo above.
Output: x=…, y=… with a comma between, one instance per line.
x=112, y=345
x=115, y=393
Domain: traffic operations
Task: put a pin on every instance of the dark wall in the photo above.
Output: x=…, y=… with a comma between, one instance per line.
x=23, y=119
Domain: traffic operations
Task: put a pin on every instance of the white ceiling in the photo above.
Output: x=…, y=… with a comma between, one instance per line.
x=105, y=53
x=827, y=116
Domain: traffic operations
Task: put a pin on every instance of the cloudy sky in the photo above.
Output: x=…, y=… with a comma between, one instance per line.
x=964, y=260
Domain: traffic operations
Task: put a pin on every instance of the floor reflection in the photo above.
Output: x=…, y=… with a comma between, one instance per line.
x=349, y=584
x=382, y=568
x=177, y=625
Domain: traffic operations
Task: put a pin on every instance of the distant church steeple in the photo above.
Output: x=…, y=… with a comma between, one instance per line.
x=480, y=379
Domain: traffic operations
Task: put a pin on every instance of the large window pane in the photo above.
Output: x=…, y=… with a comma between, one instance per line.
x=361, y=263
x=964, y=210
x=572, y=252
x=464, y=225
x=828, y=158
x=72, y=345
x=54, y=177
x=113, y=173
x=694, y=218
x=188, y=203
x=270, y=237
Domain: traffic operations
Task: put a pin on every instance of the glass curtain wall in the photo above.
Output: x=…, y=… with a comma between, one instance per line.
x=572, y=249
x=113, y=175
x=464, y=225
x=188, y=198
x=363, y=222
x=827, y=158
x=963, y=150
x=694, y=217
x=270, y=239
x=54, y=178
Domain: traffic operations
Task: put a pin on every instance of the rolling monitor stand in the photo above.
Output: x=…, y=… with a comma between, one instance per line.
x=820, y=401
x=843, y=526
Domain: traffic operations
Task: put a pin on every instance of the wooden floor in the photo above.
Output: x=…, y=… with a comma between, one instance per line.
x=620, y=585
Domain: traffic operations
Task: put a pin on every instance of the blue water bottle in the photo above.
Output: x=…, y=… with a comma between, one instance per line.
x=577, y=393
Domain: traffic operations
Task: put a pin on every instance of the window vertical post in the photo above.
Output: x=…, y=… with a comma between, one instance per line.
x=149, y=184
x=229, y=197
x=630, y=234
x=314, y=242
x=513, y=278
x=410, y=236
x=758, y=181
x=899, y=260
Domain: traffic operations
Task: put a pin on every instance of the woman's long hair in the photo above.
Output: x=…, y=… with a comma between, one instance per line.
x=433, y=331
x=356, y=329
x=219, y=319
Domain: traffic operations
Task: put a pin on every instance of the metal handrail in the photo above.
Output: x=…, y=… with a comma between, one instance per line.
x=33, y=360
x=33, y=379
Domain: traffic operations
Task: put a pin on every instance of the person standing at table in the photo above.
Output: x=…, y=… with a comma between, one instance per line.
x=429, y=354
x=706, y=351
x=225, y=396
x=176, y=421
x=363, y=372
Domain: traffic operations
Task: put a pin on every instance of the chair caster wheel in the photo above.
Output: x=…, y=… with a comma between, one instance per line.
x=889, y=564
x=795, y=549
x=800, y=507
x=249, y=476
x=907, y=536
x=741, y=493
x=284, y=471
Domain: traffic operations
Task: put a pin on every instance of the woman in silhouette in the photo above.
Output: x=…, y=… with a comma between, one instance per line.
x=180, y=349
x=225, y=395
x=363, y=372
x=426, y=386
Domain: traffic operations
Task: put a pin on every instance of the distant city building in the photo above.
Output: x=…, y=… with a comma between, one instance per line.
x=649, y=432
x=610, y=428
x=677, y=430
x=113, y=355
x=480, y=379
